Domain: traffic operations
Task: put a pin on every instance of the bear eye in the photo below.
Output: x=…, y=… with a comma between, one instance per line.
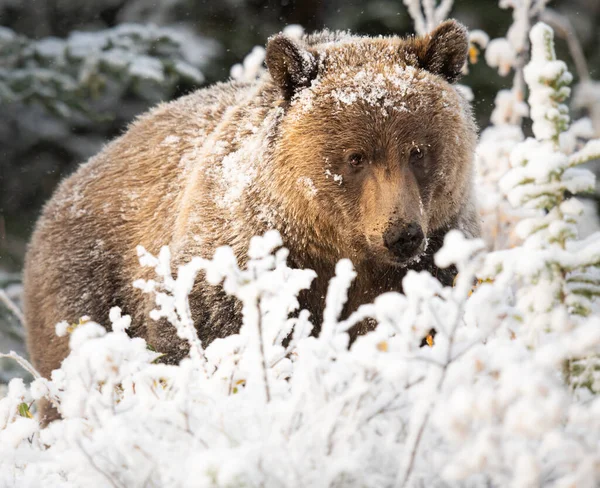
x=416, y=155
x=356, y=160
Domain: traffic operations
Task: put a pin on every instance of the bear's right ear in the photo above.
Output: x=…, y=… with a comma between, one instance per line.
x=291, y=67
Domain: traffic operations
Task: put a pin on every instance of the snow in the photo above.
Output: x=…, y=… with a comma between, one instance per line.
x=171, y=140
x=388, y=88
x=307, y=186
x=465, y=91
x=339, y=179
x=457, y=249
x=294, y=31
x=188, y=71
x=427, y=14
x=63, y=75
x=587, y=96
x=251, y=67
x=479, y=37
x=317, y=410
x=501, y=55
x=50, y=47
x=6, y=34
x=542, y=71
x=590, y=151
x=508, y=108
x=147, y=67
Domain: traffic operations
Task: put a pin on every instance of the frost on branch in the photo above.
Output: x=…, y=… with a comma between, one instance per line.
x=427, y=14
x=545, y=75
x=268, y=290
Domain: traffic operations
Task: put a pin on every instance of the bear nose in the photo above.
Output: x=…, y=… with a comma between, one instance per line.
x=404, y=242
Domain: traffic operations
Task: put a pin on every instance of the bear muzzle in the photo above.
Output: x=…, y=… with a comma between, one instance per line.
x=404, y=242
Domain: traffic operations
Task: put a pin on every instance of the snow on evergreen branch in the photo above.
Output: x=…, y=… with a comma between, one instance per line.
x=60, y=73
x=548, y=80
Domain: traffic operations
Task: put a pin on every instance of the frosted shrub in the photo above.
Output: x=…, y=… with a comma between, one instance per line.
x=252, y=410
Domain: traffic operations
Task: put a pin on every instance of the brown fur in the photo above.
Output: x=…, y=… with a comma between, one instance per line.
x=170, y=180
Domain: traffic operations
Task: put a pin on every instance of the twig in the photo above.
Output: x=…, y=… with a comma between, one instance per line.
x=366, y=311
x=387, y=406
x=414, y=10
x=334, y=426
x=475, y=342
x=109, y=477
x=417, y=442
x=262, y=353
x=426, y=15
x=449, y=360
x=12, y=306
x=429, y=9
x=443, y=10
x=427, y=360
x=26, y=365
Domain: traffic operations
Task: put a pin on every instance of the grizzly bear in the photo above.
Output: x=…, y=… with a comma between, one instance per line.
x=351, y=147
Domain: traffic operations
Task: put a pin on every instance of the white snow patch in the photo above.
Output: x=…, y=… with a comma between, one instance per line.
x=339, y=179
x=170, y=140
x=308, y=186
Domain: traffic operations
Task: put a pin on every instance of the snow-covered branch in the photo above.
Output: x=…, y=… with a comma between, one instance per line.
x=427, y=14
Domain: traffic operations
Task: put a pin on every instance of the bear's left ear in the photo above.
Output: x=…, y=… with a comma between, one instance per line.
x=291, y=66
x=444, y=50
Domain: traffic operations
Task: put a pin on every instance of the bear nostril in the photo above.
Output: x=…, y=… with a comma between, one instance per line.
x=414, y=231
x=405, y=242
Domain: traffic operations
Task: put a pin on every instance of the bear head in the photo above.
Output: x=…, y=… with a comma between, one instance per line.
x=376, y=144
